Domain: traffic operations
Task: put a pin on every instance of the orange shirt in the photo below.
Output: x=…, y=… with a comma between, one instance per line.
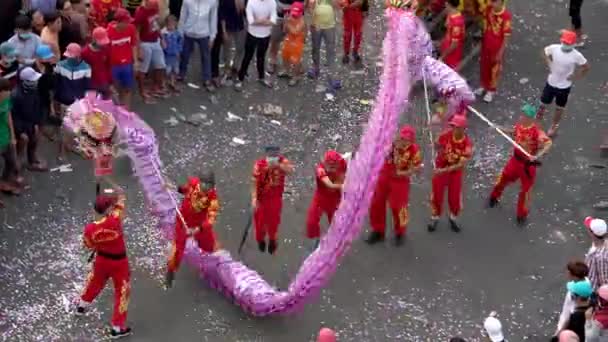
x=453, y=151
x=531, y=138
x=106, y=235
x=402, y=159
x=497, y=24
x=198, y=205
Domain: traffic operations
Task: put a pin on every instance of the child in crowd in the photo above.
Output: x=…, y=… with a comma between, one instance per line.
x=123, y=54
x=7, y=142
x=293, y=45
x=173, y=41
x=72, y=80
x=97, y=55
x=8, y=62
x=27, y=116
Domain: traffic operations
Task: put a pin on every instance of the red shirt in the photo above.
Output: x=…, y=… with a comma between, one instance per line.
x=336, y=177
x=146, y=21
x=100, y=9
x=531, y=138
x=453, y=151
x=497, y=25
x=198, y=206
x=269, y=180
x=106, y=235
x=122, y=44
x=455, y=30
x=99, y=60
x=402, y=159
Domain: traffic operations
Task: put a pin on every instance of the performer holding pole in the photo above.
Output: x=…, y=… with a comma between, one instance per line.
x=330, y=179
x=268, y=184
x=454, y=149
x=195, y=218
x=106, y=238
x=394, y=186
x=522, y=166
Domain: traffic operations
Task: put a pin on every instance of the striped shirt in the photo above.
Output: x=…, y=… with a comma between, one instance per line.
x=597, y=261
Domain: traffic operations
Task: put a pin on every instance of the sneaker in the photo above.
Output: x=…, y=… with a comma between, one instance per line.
x=262, y=246
x=488, y=97
x=345, y=59
x=398, y=240
x=169, y=277
x=116, y=334
x=454, y=226
x=335, y=84
x=374, y=237
x=272, y=246
x=356, y=58
x=238, y=86
x=266, y=83
x=479, y=91
x=432, y=226
x=272, y=68
x=492, y=202
x=521, y=221
x=313, y=73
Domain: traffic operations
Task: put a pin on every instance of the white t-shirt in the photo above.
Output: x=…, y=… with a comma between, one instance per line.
x=261, y=9
x=563, y=65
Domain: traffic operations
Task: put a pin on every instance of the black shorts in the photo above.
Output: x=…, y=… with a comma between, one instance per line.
x=26, y=128
x=560, y=95
x=575, y=8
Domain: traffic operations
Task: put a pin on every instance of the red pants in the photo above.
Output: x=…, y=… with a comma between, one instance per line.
x=514, y=170
x=205, y=239
x=396, y=191
x=490, y=67
x=321, y=204
x=452, y=181
x=118, y=270
x=353, y=26
x=267, y=218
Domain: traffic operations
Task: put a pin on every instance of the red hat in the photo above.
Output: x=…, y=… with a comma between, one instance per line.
x=104, y=202
x=73, y=50
x=407, y=133
x=100, y=36
x=332, y=156
x=297, y=9
x=122, y=16
x=459, y=121
x=326, y=335
x=568, y=37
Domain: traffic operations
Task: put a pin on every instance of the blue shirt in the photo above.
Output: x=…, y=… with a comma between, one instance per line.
x=174, y=41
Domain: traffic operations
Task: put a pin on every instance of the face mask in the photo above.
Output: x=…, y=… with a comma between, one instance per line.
x=272, y=160
x=25, y=36
x=567, y=48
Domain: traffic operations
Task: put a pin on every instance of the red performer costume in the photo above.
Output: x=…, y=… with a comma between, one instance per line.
x=454, y=150
x=353, y=29
x=394, y=186
x=199, y=210
x=330, y=177
x=102, y=11
x=529, y=136
x=106, y=238
x=497, y=30
x=268, y=183
x=452, y=44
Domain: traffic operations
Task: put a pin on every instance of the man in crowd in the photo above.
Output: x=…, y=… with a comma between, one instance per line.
x=597, y=257
x=24, y=41
x=123, y=54
x=105, y=237
x=394, y=186
x=454, y=149
x=231, y=34
x=151, y=53
x=521, y=167
x=196, y=217
x=71, y=30
x=102, y=11
x=198, y=22
x=493, y=329
x=452, y=44
x=496, y=35
x=323, y=29
x=267, y=186
x=565, y=65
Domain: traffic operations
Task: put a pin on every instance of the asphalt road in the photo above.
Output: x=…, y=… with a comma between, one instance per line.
x=434, y=287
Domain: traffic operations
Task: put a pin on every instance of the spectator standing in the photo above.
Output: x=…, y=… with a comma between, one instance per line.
x=97, y=55
x=8, y=62
x=24, y=40
x=261, y=15
x=293, y=46
x=7, y=142
x=173, y=42
x=576, y=271
x=597, y=257
x=151, y=53
x=50, y=32
x=231, y=34
x=175, y=7
x=565, y=64
x=80, y=17
x=278, y=31
x=10, y=10
x=45, y=61
x=102, y=12
x=581, y=294
x=352, y=20
x=37, y=21
x=123, y=54
x=198, y=22
x=323, y=30
x=27, y=117
x=44, y=6
x=71, y=31
x=596, y=326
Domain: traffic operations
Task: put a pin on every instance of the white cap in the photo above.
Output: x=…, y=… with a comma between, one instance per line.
x=494, y=329
x=596, y=226
x=29, y=74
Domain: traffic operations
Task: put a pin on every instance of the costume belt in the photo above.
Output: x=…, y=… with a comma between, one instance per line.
x=112, y=256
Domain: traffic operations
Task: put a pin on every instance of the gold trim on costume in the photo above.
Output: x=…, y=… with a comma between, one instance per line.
x=124, y=297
